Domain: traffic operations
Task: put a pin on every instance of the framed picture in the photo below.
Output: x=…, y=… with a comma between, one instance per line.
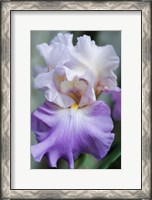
x=75, y=100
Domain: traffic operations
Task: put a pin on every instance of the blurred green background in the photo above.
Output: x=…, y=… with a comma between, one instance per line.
x=84, y=161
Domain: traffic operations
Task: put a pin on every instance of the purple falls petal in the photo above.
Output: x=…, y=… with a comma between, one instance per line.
x=66, y=133
x=116, y=112
x=115, y=96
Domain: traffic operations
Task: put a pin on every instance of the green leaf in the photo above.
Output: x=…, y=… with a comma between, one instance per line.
x=111, y=158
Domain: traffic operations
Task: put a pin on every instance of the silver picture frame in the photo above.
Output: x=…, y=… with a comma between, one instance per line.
x=6, y=8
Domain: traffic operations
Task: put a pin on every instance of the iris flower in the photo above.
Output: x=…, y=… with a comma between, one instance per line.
x=72, y=121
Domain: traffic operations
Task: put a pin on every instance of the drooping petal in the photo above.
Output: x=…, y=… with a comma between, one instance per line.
x=116, y=112
x=96, y=126
x=72, y=132
x=54, y=55
x=115, y=96
x=40, y=126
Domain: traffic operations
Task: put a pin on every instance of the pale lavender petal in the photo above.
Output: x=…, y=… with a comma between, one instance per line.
x=38, y=70
x=101, y=60
x=61, y=100
x=59, y=83
x=63, y=70
x=53, y=55
x=65, y=39
x=72, y=132
x=44, y=50
x=45, y=81
x=88, y=96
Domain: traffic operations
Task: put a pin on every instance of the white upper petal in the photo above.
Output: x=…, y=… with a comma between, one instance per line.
x=64, y=88
x=39, y=69
x=54, y=55
x=86, y=60
x=65, y=39
x=61, y=100
x=101, y=60
x=45, y=81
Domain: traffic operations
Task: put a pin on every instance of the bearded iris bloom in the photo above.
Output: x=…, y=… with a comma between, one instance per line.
x=72, y=121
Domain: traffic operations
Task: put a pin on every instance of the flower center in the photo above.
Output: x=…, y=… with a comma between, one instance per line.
x=74, y=106
x=74, y=89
